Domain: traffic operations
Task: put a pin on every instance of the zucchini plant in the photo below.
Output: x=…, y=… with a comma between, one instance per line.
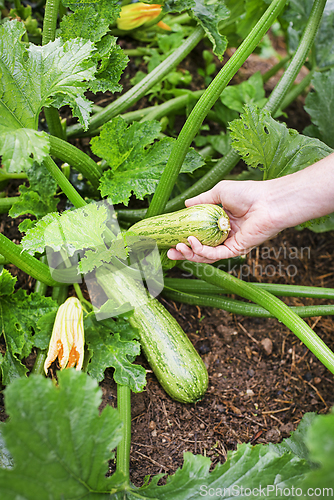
x=128, y=158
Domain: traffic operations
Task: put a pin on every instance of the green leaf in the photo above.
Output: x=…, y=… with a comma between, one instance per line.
x=319, y=104
x=20, y=148
x=59, y=442
x=296, y=443
x=248, y=467
x=39, y=198
x=136, y=166
x=72, y=231
x=111, y=63
x=90, y=20
x=320, y=442
x=6, y=460
x=113, y=344
x=34, y=240
x=297, y=15
x=249, y=91
x=265, y=143
x=56, y=74
x=209, y=13
x=19, y=315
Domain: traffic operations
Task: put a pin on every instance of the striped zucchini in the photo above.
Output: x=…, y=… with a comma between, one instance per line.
x=172, y=357
x=209, y=223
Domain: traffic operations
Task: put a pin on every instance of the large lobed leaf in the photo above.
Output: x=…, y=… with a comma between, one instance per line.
x=265, y=143
x=59, y=443
x=135, y=165
x=57, y=73
x=19, y=317
x=71, y=231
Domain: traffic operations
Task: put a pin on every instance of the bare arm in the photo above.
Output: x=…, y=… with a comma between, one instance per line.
x=259, y=210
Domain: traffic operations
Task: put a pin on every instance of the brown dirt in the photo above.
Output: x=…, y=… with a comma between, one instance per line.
x=262, y=379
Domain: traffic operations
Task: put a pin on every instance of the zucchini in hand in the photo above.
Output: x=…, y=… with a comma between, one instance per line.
x=209, y=223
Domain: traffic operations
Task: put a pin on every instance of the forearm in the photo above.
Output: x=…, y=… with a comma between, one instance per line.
x=304, y=195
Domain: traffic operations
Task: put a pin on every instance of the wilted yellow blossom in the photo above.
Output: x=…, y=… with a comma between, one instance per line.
x=135, y=14
x=67, y=340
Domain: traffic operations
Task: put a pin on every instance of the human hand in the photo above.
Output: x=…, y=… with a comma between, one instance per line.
x=247, y=203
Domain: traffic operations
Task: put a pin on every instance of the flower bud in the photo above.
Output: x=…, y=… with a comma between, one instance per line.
x=67, y=339
x=136, y=14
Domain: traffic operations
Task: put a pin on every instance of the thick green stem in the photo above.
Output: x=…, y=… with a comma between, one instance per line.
x=38, y=368
x=243, y=308
x=139, y=90
x=59, y=294
x=171, y=106
x=66, y=152
x=202, y=287
x=203, y=106
x=41, y=287
x=7, y=203
x=271, y=303
x=123, y=449
x=49, y=30
x=298, y=59
x=297, y=90
x=64, y=184
x=30, y=265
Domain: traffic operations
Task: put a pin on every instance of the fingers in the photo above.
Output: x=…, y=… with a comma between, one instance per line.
x=202, y=253
x=211, y=196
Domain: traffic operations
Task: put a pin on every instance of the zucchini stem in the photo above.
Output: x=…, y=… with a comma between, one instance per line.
x=123, y=449
x=201, y=287
x=243, y=308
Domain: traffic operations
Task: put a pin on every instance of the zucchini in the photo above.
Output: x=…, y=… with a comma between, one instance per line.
x=209, y=223
x=172, y=357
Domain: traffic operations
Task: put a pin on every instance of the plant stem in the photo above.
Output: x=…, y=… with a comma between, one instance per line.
x=59, y=294
x=38, y=368
x=243, y=308
x=49, y=30
x=123, y=449
x=203, y=106
x=64, y=184
x=271, y=303
x=139, y=90
x=7, y=203
x=202, y=287
x=170, y=106
x=297, y=90
x=66, y=152
x=298, y=59
x=30, y=265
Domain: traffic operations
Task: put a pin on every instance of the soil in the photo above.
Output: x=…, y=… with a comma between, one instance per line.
x=262, y=379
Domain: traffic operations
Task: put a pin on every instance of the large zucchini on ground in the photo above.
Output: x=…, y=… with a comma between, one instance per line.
x=209, y=223
x=171, y=355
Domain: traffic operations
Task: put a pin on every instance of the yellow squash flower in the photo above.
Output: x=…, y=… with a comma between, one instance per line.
x=136, y=14
x=67, y=339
